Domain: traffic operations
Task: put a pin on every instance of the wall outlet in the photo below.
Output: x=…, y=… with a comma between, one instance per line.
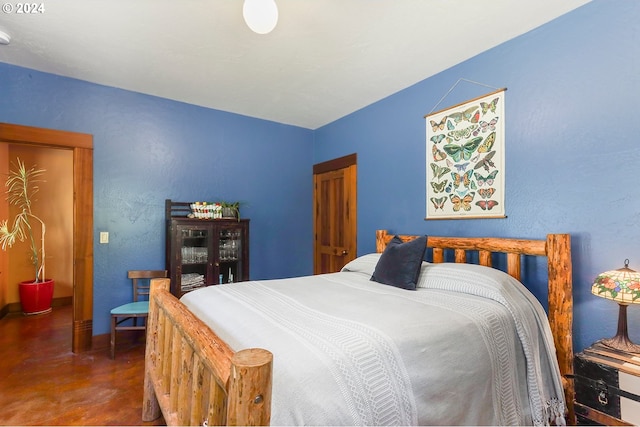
x=104, y=237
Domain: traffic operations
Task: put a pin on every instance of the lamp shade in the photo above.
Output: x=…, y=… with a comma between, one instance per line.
x=260, y=15
x=622, y=285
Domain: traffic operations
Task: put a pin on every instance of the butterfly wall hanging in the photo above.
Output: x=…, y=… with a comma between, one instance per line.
x=465, y=156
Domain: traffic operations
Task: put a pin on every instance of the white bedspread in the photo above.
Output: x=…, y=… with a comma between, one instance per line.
x=349, y=351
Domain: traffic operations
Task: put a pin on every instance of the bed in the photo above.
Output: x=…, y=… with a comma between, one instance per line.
x=194, y=375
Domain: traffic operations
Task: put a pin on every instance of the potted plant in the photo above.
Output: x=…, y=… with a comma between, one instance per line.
x=21, y=186
x=230, y=210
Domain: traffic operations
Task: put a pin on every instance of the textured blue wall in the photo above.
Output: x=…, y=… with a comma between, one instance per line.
x=571, y=141
x=148, y=149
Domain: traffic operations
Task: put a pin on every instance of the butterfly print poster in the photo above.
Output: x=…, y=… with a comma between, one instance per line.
x=465, y=160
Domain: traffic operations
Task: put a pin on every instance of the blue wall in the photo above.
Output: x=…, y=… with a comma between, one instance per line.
x=148, y=149
x=571, y=159
x=572, y=150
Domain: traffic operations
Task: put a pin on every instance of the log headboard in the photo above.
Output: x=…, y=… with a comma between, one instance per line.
x=556, y=248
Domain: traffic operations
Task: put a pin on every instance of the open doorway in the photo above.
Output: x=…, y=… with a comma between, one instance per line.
x=54, y=205
x=81, y=147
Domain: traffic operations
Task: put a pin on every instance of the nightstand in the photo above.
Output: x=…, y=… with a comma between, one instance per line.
x=607, y=387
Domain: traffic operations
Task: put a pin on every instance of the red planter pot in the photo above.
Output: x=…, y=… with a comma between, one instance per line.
x=36, y=297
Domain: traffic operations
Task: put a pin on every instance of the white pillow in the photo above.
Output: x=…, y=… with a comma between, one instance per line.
x=367, y=264
x=363, y=264
x=423, y=277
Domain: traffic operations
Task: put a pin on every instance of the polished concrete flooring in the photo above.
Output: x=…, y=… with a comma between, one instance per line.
x=43, y=383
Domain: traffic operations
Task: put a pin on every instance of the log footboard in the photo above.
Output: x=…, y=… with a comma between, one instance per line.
x=193, y=377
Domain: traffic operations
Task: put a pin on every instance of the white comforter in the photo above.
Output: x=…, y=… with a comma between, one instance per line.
x=470, y=346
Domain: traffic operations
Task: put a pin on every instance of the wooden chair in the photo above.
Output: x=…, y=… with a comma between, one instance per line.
x=139, y=308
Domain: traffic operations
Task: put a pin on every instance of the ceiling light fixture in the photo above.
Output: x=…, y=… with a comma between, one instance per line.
x=260, y=15
x=4, y=38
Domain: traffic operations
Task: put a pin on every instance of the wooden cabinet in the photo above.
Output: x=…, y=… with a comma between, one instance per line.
x=607, y=386
x=204, y=252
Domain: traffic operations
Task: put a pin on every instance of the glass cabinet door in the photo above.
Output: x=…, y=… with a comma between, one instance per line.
x=230, y=252
x=194, y=261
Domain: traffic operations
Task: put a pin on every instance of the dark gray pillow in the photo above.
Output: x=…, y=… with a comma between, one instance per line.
x=399, y=264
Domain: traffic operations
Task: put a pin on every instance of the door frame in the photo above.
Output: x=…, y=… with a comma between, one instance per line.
x=82, y=146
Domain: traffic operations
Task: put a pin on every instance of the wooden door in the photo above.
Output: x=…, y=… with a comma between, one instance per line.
x=334, y=214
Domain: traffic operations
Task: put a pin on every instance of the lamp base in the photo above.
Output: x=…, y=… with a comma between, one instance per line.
x=620, y=343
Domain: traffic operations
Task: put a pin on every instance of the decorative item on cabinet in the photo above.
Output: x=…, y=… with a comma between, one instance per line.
x=204, y=252
x=214, y=210
x=230, y=209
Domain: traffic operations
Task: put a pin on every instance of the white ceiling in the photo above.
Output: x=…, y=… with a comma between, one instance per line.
x=324, y=60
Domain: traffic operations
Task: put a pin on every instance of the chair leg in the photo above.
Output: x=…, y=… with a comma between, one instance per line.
x=113, y=337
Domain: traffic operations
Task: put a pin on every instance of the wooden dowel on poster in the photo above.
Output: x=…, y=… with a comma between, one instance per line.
x=471, y=100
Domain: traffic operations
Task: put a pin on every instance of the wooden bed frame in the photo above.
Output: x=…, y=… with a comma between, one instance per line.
x=193, y=377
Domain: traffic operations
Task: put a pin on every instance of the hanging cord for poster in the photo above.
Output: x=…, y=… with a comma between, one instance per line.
x=454, y=86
